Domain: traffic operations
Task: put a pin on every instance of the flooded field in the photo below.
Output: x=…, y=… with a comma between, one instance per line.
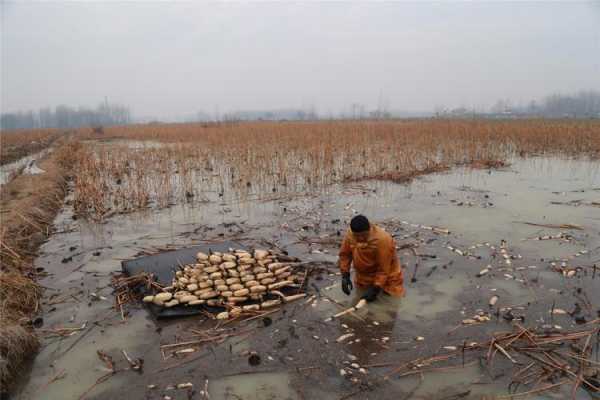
x=299, y=356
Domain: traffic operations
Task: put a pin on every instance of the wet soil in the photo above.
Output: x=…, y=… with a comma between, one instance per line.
x=299, y=355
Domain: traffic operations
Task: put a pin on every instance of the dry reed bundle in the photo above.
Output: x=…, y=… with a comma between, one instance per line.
x=536, y=357
x=17, y=344
x=19, y=295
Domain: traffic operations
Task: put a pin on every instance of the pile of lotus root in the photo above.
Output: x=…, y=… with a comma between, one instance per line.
x=228, y=280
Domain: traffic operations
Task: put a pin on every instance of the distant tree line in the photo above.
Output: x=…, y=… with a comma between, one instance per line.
x=67, y=117
x=584, y=104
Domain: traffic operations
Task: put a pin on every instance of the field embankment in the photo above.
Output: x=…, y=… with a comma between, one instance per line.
x=29, y=204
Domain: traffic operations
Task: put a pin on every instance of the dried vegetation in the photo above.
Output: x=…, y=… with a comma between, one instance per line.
x=188, y=162
x=17, y=144
x=29, y=204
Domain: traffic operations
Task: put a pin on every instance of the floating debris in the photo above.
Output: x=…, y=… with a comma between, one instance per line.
x=361, y=303
x=458, y=251
x=344, y=337
x=434, y=229
x=185, y=351
x=522, y=347
x=484, y=271
x=185, y=385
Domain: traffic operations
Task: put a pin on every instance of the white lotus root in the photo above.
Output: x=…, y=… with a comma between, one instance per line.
x=229, y=280
x=258, y=289
x=215, y=259
x=237, y=299
x=260, y=254
x=165, y=296
x=193, y=287
x=211, y=269
x=148, y=299
x=223, y=315
x=270, y=303
x=171, y=303
x=187, y=299
x=205, y=284
x=209, y=295
x=241, y=292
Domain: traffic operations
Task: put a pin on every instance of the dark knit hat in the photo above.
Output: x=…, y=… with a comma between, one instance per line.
x=360, y=223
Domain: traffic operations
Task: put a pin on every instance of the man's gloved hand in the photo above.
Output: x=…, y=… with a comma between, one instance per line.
x=371, y=293
x=347, y=285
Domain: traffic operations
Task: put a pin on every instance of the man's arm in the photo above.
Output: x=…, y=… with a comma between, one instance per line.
x=345, y=255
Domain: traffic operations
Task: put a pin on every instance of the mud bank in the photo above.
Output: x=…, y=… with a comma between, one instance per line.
x=29, y=205
x=299, y=355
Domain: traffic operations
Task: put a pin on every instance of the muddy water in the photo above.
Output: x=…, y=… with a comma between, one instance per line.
x=299, y=354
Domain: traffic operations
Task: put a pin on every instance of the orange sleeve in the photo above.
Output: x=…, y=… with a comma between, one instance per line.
x=345, y=255
x=385, y=258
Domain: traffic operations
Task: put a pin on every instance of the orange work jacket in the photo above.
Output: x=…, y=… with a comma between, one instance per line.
x=375, y=261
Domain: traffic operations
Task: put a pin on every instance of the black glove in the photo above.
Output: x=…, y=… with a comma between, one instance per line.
x=347, y=285
x=371, y=293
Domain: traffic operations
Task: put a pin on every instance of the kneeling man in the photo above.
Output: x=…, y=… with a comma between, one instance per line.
x=372, y=252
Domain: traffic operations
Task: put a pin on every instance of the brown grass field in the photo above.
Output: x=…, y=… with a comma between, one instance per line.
x=187, y=160
x=18, y=144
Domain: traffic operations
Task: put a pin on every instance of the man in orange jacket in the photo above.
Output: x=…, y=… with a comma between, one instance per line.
x=372, y=252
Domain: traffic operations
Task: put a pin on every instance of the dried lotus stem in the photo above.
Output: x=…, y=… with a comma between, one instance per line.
x=279, y=285
x=356, y=307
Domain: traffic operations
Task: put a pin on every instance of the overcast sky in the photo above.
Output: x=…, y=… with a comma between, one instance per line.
x=173, y=59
